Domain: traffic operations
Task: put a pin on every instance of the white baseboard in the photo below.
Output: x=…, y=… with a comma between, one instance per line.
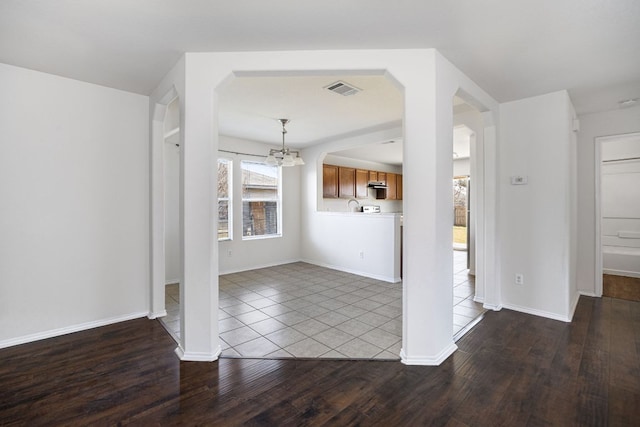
x=388, y=279
x=536, y=312
x=589, y=294
x=255, y=267
x=161, y=313
x=492, y=307
x=621, y=273
x=333, y=267
x=574, y=305
x=70, y=329
x=426, y=360
x=171, y=282
x=187, y=356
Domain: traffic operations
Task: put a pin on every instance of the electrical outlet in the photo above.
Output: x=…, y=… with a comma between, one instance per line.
x=229, y=253
x=519, y=279
x=361, y=254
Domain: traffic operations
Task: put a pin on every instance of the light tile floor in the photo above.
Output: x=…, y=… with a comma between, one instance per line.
x=465, y=309
x=302, y=310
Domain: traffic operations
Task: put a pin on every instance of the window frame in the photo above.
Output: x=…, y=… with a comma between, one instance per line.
x=228, y=199
x=278, y=201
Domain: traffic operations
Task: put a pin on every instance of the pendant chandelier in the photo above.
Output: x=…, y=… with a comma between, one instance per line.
x=284, y=156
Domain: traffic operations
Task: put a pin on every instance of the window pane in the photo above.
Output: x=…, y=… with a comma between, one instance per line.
x=259, y=218
x=223, y=219
x=259, y=181
x=223, y=178
x=260, y=199
x=224, y=199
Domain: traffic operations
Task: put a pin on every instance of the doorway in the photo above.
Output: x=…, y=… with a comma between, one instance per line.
x=467, y=310
x=618, y=203
x=307, y=310
x=172, y=261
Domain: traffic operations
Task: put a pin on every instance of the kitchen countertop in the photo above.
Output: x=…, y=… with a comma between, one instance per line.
x=361, y=214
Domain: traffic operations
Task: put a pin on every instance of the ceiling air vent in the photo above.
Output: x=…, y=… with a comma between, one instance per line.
x=342, y=88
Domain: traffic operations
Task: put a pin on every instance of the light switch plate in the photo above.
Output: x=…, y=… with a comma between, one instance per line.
x=519, y=180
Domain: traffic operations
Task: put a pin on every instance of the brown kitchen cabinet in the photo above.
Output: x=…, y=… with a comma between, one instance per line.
x=382, y=177
x=362, y=184
x=346, y=182
x=330, y=181
x=391, y=186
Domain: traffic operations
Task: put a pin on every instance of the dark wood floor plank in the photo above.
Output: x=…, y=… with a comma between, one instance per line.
x=511, y=369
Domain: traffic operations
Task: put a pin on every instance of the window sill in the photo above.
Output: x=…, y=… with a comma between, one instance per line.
x=268, y=236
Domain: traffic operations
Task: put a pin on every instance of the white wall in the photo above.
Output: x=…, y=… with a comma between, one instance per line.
x=238, y=254
x=535, y=219
x=358, y=243
x=74, y=223
x=335, y=239
x=461, y=167
x=614, y=122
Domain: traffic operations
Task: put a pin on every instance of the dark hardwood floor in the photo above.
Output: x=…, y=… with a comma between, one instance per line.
x=512, y=369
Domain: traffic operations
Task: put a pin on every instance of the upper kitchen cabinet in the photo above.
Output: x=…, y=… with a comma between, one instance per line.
x=362, y=183
x=382, y=177
x=330, y=181
x=394, y=186
x=391, y=186
x=346, y=182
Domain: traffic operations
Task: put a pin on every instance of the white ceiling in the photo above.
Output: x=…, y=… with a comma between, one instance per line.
x=251, y=106
x=390, y=151
x=511, y=48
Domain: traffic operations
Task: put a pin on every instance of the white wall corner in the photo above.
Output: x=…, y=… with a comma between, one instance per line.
x=156, y=315
x=198, y=356
x=574, y=305
x=428, y=360
x=492, y=307
x=589, y=294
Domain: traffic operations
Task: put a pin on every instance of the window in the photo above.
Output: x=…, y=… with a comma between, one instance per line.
x=224, y=199
x=260, y=200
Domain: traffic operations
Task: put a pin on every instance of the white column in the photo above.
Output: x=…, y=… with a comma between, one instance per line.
x=491, y=275
x=199, y=290
x=428, y=204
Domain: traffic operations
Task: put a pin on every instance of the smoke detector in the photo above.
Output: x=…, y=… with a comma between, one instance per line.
x=342, y=88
